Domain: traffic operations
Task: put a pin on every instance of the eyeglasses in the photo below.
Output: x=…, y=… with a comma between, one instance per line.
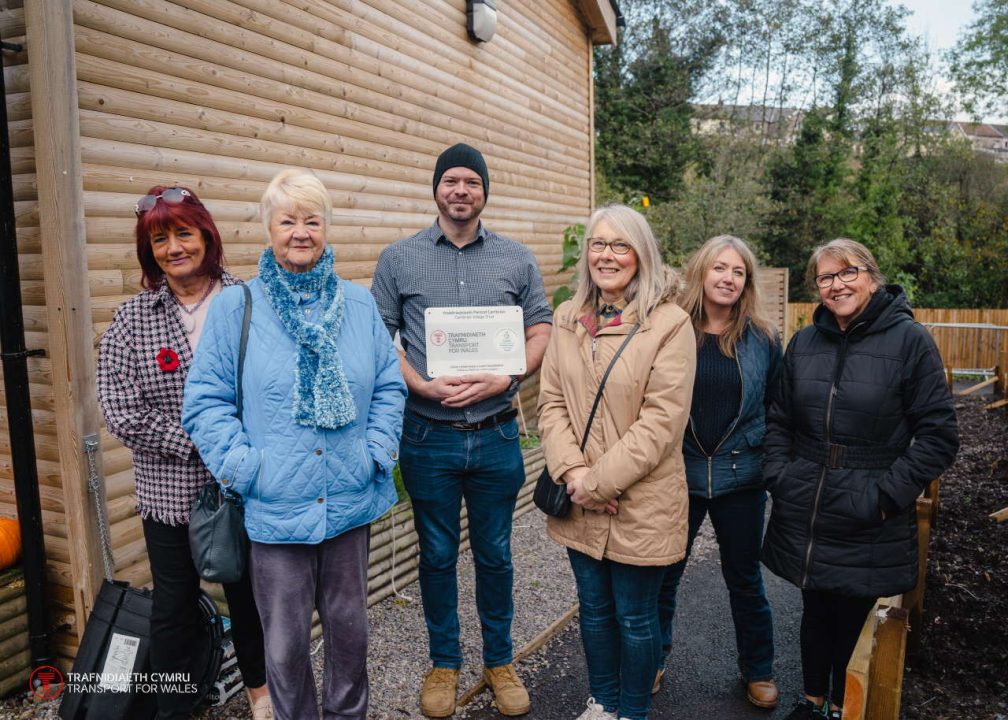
x=597, y=245
x=172, y=196
x=848, y=274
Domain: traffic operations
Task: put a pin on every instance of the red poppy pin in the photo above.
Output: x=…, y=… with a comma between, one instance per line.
x=167, y=360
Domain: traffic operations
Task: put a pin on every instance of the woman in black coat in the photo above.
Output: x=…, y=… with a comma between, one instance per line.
x=862, y=422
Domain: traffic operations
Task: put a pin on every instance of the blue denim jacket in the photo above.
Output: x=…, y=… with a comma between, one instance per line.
x=737, y=461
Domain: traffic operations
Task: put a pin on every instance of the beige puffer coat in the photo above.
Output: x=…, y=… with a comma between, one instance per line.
x=634, y=450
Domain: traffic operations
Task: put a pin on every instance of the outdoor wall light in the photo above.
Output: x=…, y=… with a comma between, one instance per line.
x=481, y=19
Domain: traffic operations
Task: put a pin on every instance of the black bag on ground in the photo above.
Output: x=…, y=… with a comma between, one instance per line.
x=551, y=497
x=217, y=538
x=116, y=645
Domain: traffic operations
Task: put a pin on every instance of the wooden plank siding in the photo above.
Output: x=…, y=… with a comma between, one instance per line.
x=219, y=95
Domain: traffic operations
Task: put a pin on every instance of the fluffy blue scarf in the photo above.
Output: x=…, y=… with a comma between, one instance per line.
x=322, y=397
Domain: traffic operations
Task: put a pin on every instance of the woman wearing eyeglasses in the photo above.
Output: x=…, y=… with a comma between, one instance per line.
x=628, y=519
x=143, y=360
x=862, y=422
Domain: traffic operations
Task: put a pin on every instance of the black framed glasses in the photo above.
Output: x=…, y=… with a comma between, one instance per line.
x=848, y=274
x=172, y=196
x=598, y=245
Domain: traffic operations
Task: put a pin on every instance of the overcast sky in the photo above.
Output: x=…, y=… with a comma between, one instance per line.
x=938, y=20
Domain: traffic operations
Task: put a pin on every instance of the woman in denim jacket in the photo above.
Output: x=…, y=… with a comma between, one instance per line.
x=738, y=363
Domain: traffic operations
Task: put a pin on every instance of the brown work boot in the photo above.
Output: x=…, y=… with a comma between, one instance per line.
x=437, y=696
x=509, y=692
x=762, y=693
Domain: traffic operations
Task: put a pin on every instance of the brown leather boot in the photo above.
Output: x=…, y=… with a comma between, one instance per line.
x=437, y=696
x=509, y=692
x=762, y=693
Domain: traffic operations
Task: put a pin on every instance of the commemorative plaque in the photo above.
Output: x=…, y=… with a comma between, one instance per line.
x=464, y=340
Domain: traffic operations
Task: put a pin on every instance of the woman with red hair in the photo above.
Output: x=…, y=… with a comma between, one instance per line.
x=143, y=361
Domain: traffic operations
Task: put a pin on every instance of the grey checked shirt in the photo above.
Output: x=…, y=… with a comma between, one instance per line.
x=426, y=270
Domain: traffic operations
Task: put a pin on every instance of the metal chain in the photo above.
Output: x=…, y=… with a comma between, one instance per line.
x=98, y=490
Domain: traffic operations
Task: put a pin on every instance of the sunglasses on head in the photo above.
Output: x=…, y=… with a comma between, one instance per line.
x=172, y=196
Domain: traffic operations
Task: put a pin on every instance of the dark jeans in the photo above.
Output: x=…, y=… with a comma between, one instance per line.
x=175, y=620
x=830, y=627
x=619, y=630
x=290, y=581
x=738, y=524
x=441, y=466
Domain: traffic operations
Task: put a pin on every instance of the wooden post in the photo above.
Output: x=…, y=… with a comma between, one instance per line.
x=913, y=600
x=886, y=678
x=50, y=44
x=859, y=670
x=948, y=378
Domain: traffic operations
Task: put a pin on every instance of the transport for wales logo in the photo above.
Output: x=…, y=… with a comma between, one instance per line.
x=46, y=682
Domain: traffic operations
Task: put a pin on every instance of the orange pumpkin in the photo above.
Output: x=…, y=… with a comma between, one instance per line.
x=10, y=542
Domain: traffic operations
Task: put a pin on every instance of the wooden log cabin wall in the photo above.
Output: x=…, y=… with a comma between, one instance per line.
x=111, y=97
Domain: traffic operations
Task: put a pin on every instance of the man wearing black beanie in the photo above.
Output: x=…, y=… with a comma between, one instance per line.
x=460, y=435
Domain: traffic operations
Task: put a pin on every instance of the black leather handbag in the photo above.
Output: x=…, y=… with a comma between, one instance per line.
x=217, y=538
x=551, y=497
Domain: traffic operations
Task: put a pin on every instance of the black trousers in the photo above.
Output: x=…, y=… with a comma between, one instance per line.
x=175, y=620
x=830, y=627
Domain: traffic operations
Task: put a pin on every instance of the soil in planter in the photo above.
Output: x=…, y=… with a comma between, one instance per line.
x=961, y=670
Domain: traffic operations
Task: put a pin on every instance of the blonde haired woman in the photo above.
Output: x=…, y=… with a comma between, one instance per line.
x=629, y=514
x=738, y=364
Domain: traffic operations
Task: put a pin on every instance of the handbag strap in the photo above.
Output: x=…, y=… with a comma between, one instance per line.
x=598, y=395
x=242, y=345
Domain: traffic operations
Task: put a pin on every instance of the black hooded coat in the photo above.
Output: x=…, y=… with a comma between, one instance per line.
x=862, y=421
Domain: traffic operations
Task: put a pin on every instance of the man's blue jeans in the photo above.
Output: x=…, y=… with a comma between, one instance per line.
x=441, y=466
x=738, y=524
x=619, y=630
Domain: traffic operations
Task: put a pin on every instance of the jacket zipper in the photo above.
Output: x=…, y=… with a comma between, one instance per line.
x=731, y=429
x=822, y=476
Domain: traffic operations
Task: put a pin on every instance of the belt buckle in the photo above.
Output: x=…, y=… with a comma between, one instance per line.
x=460, y=425
x=836, y=456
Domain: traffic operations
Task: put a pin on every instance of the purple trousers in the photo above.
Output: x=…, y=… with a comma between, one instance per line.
x=292, y=580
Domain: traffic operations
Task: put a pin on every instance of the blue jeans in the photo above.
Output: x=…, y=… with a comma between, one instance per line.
x=619, y=630
x=441, y=466
x=738, y=524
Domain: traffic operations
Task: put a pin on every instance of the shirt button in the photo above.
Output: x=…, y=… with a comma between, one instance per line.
x=395, y=455
x=320, y=500
x=307, y=311
x=461, y=282
x=305, y=295
x=318, y=451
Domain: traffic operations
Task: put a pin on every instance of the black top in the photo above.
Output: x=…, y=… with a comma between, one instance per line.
x=717, y=394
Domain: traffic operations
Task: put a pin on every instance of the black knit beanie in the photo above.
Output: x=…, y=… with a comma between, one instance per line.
x=462, y=155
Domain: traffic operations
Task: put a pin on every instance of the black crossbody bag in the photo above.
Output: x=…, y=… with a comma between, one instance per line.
x=551, y=497
x=217, y=538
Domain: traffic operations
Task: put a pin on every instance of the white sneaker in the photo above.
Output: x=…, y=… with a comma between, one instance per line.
x=595, y=712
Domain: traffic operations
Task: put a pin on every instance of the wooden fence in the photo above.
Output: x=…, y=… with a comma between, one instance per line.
x=961, y=348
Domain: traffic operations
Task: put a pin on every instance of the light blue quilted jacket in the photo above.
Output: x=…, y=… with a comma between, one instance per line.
x=300, y=484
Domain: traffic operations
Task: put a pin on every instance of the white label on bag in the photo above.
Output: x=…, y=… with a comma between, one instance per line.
x=119, y=661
